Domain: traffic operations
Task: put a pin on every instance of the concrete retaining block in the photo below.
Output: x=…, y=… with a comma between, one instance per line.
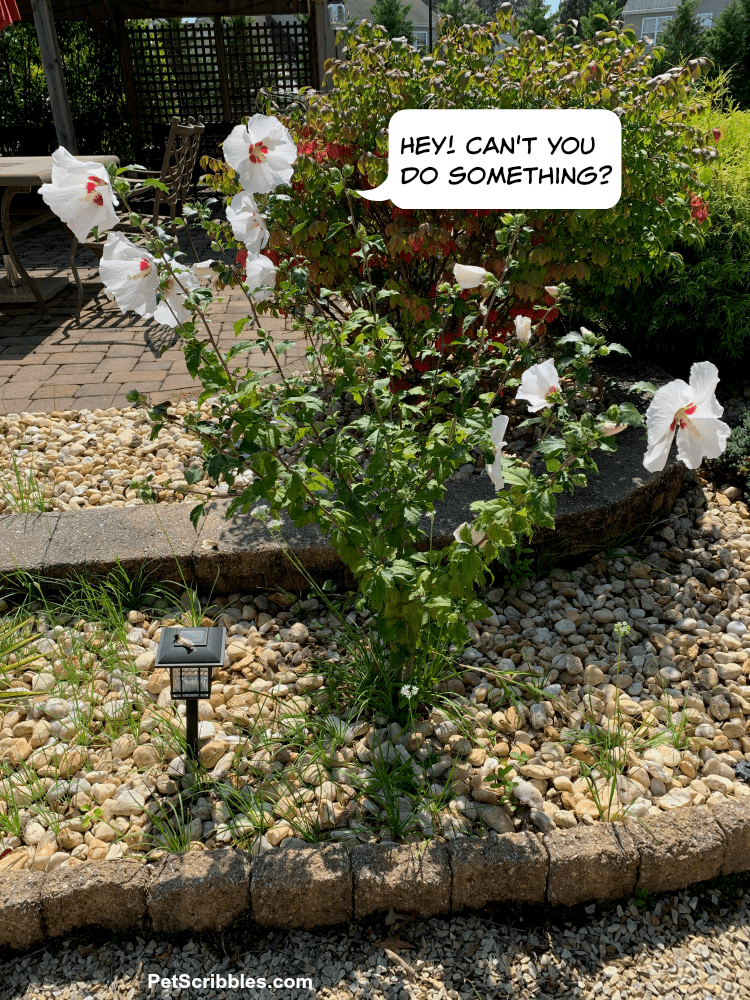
x=21, y=924
x=303, y=887
x=409, y=878
x=733, y=817
x=678, y=849
x=590, y=862
x=109, y=894
x=199, y=891
x=512, y=868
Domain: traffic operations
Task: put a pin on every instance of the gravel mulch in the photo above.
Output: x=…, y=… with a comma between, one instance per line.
x=671, y=950
x=90, y=754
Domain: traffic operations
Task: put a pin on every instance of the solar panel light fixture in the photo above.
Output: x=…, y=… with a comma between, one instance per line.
x=191, y=655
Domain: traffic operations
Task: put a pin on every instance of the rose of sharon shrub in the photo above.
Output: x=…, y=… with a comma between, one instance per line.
x=342, y=145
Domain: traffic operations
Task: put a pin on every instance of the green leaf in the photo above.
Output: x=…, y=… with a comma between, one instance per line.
x=629, y=415
x=644, y=387
x=197, y=513
x=192, y=476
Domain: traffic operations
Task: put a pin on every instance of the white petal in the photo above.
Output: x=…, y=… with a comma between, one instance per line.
x=536, y=382
x=120, y=269
x=260, y=271
x=702, y=439
x=495, y=472
x=469, y=276
x=248, y=225
x=704, y=377
x=499, y=428
x=658, y=452
x=663, y=407
x=459, y=529
x=203, y=267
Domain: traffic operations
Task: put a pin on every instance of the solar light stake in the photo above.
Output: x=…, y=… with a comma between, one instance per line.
x=191, y=655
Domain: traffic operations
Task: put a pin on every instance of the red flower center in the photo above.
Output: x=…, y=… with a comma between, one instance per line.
x=681, y=417
x=258, y=152
x=144, y=265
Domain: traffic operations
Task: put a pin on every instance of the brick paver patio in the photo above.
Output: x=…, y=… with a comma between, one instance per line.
x=56, y=365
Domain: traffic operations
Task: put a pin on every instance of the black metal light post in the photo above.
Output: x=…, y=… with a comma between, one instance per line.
x=191, y=655
x=429, y=27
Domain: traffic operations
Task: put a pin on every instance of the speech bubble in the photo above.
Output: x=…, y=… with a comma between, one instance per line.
x=509, y=159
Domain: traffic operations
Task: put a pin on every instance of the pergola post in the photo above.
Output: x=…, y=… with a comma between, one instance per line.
x=58, y=92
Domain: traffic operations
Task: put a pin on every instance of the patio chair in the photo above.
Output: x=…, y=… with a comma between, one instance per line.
x=176, y=173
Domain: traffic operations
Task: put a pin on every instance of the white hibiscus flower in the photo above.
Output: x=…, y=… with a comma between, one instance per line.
x=248, y=225
x=130, y=275
x=262, y=152
x=538, y=383
x=495, y=471
x=691, y=411
x=171, y=310
x=469, y=276
x=80, y=194
x=260, y=273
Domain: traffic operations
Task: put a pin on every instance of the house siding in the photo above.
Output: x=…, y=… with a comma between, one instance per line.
x=636, y=10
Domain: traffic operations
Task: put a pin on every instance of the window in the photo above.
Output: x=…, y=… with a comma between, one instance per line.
x=654, y=26
x=705, y=20
x=337, y=13
x=420, y=38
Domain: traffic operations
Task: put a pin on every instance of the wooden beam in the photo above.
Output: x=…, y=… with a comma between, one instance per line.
x=87, y=10
x=221, y=58
x=53, y=72
x=122, y=45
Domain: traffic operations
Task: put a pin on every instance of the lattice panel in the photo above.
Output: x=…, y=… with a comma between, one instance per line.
x=177, y=69
x=265, y=55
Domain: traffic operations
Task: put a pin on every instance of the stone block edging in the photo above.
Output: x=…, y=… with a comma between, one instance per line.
x=309, y=886
x=245, y=556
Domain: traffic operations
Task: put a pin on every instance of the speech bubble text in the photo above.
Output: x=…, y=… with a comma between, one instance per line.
x=454, y=159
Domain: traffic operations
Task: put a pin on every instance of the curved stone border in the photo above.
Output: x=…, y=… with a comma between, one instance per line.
x=246, y=556
x=308, y=886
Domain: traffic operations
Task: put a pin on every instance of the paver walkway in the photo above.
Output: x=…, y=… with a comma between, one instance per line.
x=57, y=365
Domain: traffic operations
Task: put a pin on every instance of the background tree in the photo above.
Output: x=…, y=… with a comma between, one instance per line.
x=394, y=16
x=728, y=44
x=683, y=36
x=590, y=23
x=536, y=16
x=464, y=11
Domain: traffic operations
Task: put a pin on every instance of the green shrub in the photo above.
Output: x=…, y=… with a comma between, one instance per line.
x=735, y=462
x=344, y=133
x=702, y=308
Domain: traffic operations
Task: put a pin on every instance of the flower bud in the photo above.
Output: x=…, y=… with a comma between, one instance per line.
x=523, y=328
x=552, y=290
x=609, y=428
